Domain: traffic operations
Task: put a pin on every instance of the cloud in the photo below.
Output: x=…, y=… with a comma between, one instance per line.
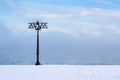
x=106, y=2
x=66, y=19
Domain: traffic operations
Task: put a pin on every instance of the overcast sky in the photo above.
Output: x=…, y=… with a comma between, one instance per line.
x=79, y=31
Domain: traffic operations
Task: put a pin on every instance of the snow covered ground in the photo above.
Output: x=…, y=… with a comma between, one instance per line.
x=60, y=72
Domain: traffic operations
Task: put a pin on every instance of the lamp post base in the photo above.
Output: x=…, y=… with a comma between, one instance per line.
x=37, y=63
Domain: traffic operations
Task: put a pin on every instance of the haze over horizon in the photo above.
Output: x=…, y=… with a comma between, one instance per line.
x=79, y=31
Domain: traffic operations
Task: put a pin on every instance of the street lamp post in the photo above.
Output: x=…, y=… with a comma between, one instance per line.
x=37, y=26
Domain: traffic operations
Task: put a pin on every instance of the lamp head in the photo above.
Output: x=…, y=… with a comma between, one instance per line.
x=45, y=27
x=37, y=23
x=31, y=26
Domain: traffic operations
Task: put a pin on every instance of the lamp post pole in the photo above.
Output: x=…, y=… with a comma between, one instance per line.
x=37, y=51
x=38, y=26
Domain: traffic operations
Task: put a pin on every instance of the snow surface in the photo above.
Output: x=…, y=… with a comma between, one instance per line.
x=60, y=72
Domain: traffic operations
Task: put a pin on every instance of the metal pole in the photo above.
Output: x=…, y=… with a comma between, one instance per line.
x=37, y=51
x=37, y=26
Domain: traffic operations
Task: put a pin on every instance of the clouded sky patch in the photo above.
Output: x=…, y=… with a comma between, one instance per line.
x=83, y=22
